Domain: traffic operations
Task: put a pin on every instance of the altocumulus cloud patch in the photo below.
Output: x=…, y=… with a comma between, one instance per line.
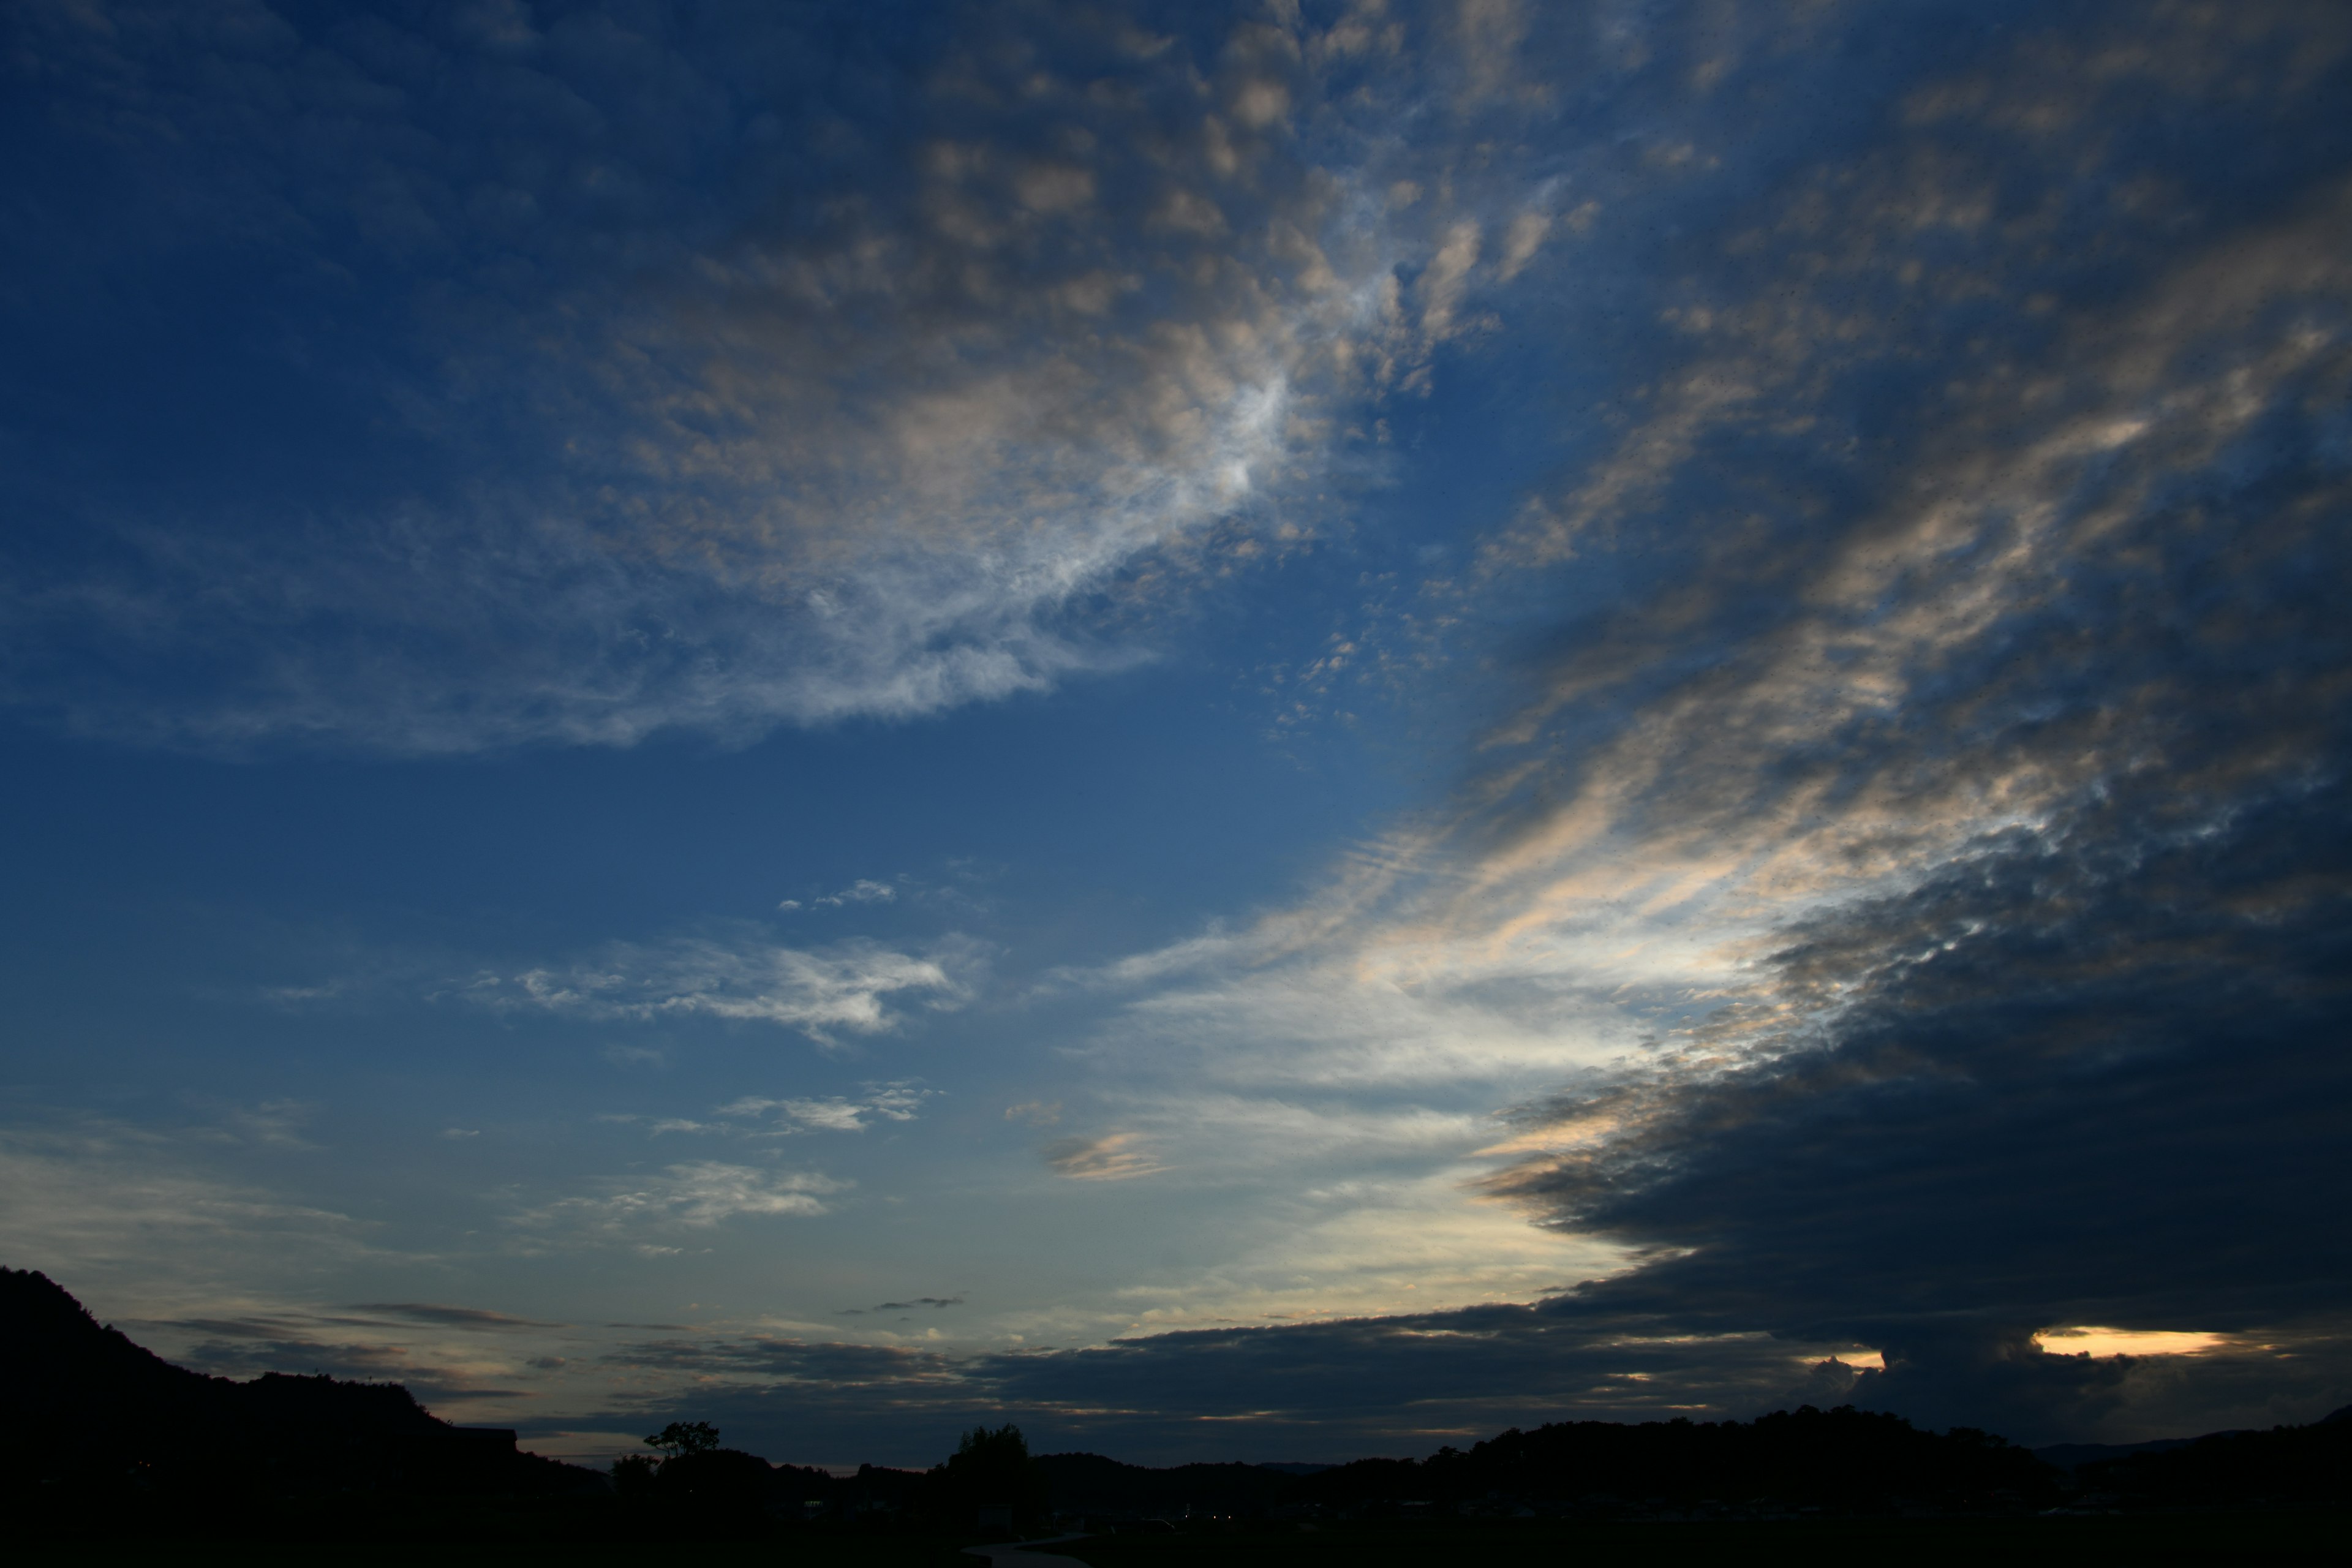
x=684, y=385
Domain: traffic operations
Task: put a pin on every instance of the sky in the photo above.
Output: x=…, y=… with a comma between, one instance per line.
x=1270, y=731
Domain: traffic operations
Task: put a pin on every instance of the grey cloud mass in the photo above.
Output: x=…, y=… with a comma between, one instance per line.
x=1979, y=671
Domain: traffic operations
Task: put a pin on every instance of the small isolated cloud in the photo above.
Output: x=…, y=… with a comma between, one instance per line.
x=452, y=1317
x=741, y=975
x=461, y=1133
x=865, y=891
x=695, y=1194
x=932, y=1303
x=881, y=1101
x=1112, y=1157
x=1034, y=1112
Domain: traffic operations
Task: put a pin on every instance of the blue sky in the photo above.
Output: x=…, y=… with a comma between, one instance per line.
x=1262, y=732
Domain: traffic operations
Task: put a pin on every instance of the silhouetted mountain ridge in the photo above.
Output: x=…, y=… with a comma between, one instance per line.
x=2298, y=1464
x=90, y=1413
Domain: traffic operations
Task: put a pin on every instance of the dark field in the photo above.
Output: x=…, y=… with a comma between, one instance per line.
x=2281, y=1537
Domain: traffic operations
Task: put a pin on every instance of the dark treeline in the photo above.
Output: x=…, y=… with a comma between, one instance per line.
x=102, y=1436
x=1843, y=1458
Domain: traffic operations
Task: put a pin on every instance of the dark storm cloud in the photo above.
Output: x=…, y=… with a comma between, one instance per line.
x=2019, y=497
x=1984, y=544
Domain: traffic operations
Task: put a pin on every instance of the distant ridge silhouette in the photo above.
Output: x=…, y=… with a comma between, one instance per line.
x=90, y=1416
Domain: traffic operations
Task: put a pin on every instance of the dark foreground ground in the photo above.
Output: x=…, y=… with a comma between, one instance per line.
x=2271, y=1536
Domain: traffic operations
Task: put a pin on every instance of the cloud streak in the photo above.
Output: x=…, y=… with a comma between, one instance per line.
x=695, y=1195
x=744, y=976
x=961, y=368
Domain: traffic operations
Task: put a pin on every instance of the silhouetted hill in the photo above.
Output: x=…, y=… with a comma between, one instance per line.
x=2073, y=1456
x=2285, y=1465
x=88, y=1418
x=1091, y=1484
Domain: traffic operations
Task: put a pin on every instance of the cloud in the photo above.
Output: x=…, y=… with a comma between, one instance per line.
x=884, y=1101
x=741, y=975
x=250, y=1348
x=936, y=1303
x=824, y=394
x=1960, y=799
x=91, y=1199
x=865, y=891
x=1902, y=901
x=452, y=1317
x=693, y=1195
x=1112, y=1157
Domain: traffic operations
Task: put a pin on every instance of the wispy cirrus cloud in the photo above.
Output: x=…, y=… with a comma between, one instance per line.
x=690, y=1196
x=835, y=1113
x=1109, y=1157
x=911, y=408
x=865, y=891
x=743, y=975
x=159, y=1216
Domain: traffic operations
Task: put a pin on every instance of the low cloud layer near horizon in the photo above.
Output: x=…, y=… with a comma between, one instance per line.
x=1844, y=516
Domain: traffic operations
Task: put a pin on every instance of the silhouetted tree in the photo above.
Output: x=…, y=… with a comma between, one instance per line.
x=993, y=1469
x=682, y=1438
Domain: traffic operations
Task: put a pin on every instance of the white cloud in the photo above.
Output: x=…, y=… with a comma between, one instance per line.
x=695, y=1196
x=969, y=429
x=96, y=1200
x=882, y=1101
x=1111, y=1157
x=742, y=975
x=865, y=891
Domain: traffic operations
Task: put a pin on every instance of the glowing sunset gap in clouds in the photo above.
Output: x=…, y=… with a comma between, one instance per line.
x=1255, y=732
